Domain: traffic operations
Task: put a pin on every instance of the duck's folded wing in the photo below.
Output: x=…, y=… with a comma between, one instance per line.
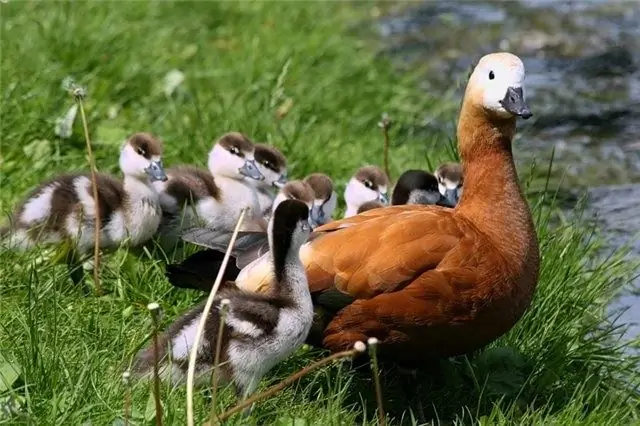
x=379, y=251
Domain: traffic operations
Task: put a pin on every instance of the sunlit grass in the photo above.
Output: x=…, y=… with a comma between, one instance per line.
x=241, y=63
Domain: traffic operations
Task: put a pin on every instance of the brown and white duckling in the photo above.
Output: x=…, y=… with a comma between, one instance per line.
x=213, y=198
x=272, y=164
x=450, y=180
x=370, y=183
x=325, y=198
x=64, y=209
x=260, y=330
x=195, y=271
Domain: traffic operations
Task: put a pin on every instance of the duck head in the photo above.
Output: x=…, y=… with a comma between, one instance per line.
x=272, y=164
x=233, y=156
x=449, y=178
x=294, y=190
x=141, y=157
x=497, y=83
x=369, y=183
x=416, y=187
x=325, y=198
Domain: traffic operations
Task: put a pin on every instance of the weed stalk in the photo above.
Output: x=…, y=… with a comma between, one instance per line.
x=375, y=372
x=126, y=376
x=203, y=319
x=224, y=308
x=154, y=308
x=385, y=125
x=358, y=348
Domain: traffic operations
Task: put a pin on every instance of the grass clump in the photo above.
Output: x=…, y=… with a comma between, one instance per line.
x=288, y=74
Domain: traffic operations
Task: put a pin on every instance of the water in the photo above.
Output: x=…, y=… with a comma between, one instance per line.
x=583, y=84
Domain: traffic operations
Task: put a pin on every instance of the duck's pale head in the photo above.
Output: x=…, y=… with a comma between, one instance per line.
x=450, y=180
x=233, y=156
x=294, y=190
x=325, y=198
x=272, y=164
x=141, y=157
x=370, y=183
x=497, y=84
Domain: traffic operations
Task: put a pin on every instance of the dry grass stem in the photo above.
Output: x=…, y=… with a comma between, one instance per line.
x=385, y=125
x=358, y=348
x=205, y=313
x=126, y=376
x=224, y=308
x=154, y=308
x=375, y=372
x=78, y=95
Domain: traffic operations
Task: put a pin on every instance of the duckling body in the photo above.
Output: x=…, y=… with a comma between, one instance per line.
x=273, y=166
x=429, y=282
x=369, y=205
x=212, y=198
x=369, y=183
x=63, y=208
x=260, y=330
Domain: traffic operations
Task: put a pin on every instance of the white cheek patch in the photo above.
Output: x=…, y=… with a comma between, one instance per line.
x=449, y=184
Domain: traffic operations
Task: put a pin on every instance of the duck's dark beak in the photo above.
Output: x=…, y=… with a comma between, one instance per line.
x=450, y=198
x=514, y=103
x=155, y=171
x=281, y=182
x=383, y=199
x=250, y=170
x=316, y=215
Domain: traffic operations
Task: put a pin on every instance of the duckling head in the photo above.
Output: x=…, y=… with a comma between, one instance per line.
x=272, y=164
x=416, y=187
x=497, y=84
x=450, y=179
x=294, y=190
x=233, y=156
x=369, y=183
x=325, y=198
x=141, y=157
x=288, y=230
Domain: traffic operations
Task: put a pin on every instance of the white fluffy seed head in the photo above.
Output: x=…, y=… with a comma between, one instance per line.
x=359, y=346
x=372, y=341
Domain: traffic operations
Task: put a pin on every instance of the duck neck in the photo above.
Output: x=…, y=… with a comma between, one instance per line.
x=139, y=189
x=287, y=267
x=492, y=198
x=351, y=210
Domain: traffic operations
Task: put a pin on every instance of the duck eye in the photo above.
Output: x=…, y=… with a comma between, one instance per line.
x=491, y=75
x=140, y=151
x=368, y=184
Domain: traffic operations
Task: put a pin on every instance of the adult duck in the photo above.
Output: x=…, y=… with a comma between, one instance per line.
x=428, y=281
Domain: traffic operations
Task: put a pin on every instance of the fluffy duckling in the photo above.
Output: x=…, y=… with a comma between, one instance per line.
x=450, y=180
x=64, y=209
x=369, y=205
x=325, y=199
x=370, y=183
x=260, y=330
x=272, y=164
x=195, y=271
x=213, y=198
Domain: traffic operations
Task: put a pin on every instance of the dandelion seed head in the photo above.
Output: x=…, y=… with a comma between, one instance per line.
x=359, y=346
x=372, y=341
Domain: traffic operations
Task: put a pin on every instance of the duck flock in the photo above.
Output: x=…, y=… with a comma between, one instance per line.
x=433, y=273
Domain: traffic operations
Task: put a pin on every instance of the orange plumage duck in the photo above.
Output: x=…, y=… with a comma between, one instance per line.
x=427, y=281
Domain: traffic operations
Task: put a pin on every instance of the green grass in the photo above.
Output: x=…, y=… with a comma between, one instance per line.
x=561, y=364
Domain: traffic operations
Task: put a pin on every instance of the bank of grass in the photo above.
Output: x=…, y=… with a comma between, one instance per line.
x=242, y=62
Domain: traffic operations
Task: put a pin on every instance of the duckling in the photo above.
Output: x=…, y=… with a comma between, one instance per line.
x=195, y=271
x=369, y=183
x=63, y=208
x=417, y=187
x=326, y=199
x=369, y=205
x=213, y=198
x=272, y=164
x=450, y=180
x=259, y=331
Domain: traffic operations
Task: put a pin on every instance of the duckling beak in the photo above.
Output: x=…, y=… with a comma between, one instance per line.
x=316, y=215
x=281, y=182
x=514, y=103
x=450, y=198
x=383, y=199
x=250, y=170
x=156, y=171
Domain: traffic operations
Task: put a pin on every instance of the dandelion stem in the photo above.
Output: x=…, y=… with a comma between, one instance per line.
x=78, y=95
x=359, y=347
x=385, y=125
x=203, y=319
x=127, y=397
x=154, y=308
x=224, y=307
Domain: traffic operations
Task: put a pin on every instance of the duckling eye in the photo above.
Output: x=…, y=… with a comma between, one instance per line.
x=368, y=184
x=491, y=75
x=140, y=151
x=267, y=164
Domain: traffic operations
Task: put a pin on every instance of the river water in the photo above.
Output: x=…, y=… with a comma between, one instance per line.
x=583, y=82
